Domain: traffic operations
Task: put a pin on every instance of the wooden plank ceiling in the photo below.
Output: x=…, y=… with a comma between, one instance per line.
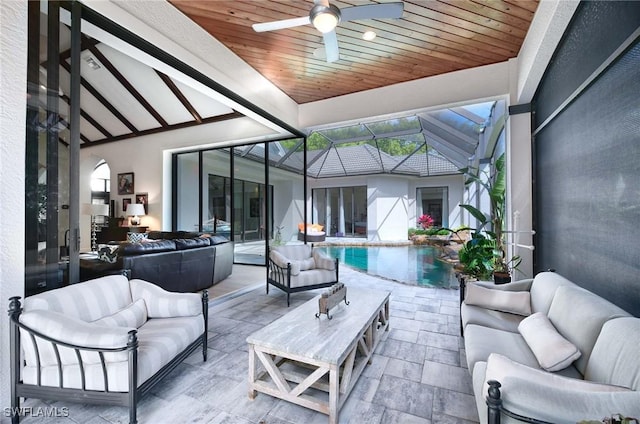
x=433, y=37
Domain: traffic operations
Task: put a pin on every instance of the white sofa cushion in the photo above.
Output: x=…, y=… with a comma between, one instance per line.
x=500, y=368
x=283, y=262
x=323, y=261
x=88, y=301
x=159, y=341
x=552, y=351
x=294, y=252
x=499, y=300
x=133, y=315
x=614, y=359
x=164, y=304
x=579, y=315
x=547, y=396
x=72, y=331
x=311, y=277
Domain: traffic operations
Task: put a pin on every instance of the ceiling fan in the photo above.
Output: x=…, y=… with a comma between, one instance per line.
x=325, y=17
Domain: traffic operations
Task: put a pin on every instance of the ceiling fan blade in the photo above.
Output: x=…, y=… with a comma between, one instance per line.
x=373, y=11
x=286, y=23
x=331, y=46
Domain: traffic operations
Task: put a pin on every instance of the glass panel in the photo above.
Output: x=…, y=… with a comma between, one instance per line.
x=187, y=196
x=353, y=132
x=286, y=182
x=216, y=205
x=250, y=218
x=360, y=211
x=238, y=207
x=47, y=162
x=393, y=126
x=320, y=207
x=433, y=201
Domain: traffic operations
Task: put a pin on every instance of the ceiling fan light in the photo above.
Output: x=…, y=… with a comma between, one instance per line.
x=324, y=18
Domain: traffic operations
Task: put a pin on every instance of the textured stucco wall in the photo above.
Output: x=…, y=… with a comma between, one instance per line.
x=13, y=86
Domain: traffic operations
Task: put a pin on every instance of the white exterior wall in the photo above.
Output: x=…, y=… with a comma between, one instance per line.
x=13, y=86
x=388, y=199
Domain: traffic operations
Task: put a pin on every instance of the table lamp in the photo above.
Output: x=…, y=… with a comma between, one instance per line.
x=134, y=210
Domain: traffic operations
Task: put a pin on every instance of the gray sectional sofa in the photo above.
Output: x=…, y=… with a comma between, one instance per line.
x=553, y=352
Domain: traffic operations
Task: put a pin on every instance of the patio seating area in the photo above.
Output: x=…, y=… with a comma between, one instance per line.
x=417, y=374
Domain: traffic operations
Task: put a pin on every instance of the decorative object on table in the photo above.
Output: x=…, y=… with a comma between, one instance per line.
x=134, y=210
x=330, y=298
x=95, y=210
x=143, y=199
x=125, y=183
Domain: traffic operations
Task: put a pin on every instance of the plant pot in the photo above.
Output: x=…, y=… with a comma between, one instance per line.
x=501, y=277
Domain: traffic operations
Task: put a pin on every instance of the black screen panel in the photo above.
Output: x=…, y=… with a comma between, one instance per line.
x=588, y=187
x=597, y=29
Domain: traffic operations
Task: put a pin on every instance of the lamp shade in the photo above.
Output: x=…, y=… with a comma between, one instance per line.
x=135, y=209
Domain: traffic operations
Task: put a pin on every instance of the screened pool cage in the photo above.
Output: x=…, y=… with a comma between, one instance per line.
x=421, y=145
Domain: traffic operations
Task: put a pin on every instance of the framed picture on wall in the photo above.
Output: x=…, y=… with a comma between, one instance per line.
x=144, y=199
x=125, y=203
x=125, y=183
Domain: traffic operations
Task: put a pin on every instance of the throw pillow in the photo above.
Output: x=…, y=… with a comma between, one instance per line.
x=108, y=253
x=515, y=302
x=132, y=316
x=136, y=237
x=283, y=262
x=323, y=261
x=306, y=264
x=552, y=351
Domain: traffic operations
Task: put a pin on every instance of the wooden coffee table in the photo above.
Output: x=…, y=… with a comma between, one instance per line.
x=315, y=362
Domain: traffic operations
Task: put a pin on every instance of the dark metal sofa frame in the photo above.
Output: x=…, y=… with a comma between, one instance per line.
x=495, y=409
x=281, y=278
x=129, y=398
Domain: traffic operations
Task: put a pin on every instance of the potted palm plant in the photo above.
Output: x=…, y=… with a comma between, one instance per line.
x=495, y=185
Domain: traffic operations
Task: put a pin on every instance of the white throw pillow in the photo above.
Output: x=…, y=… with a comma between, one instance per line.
x=307, y=264
x=323, y=261
x=515, y=302
x=133, y=315
x=553, y=352
x=282, y=261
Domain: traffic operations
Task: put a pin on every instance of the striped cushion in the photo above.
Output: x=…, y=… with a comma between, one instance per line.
x=314, y=276
x=87, y=301
x=164, y=304
x=133, y=315
x=323, y=261
x=294, y=252
x=72, y=331
x=159, y=340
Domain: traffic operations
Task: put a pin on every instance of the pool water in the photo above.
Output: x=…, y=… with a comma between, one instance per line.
x=418, y=265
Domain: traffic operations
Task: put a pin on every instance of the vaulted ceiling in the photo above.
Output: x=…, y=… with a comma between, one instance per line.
x=432, y=37
x=124, y=98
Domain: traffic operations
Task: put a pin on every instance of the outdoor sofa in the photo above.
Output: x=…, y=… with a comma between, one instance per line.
x=107, y=341
x=544, y=350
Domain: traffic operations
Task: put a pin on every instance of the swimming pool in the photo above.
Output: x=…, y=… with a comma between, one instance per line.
x=418, y=265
